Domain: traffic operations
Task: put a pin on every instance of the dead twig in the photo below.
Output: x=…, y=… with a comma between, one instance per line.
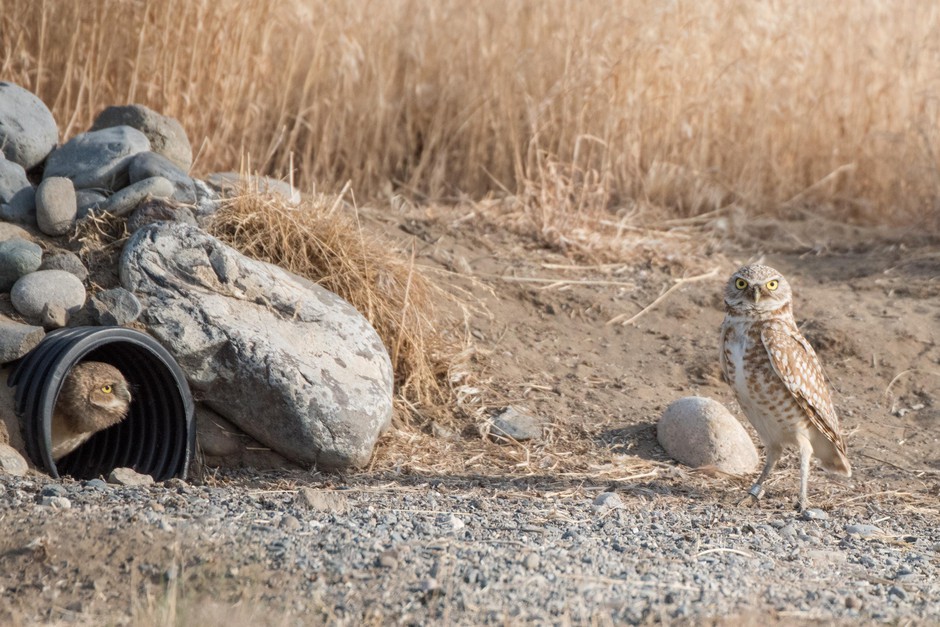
x=679, y=283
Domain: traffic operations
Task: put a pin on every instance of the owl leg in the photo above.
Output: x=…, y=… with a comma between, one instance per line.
x=757, y=490
x=806, y=455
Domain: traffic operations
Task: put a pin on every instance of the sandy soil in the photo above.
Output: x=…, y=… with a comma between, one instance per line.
x=867, y=300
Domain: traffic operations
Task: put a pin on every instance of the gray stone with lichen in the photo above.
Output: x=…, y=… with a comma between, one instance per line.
x=290, y=363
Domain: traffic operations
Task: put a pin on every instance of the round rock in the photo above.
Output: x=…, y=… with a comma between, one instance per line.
x=65, y=260
x=28, y=132
x=114, y=307
x=126, y=200
x=166, y=135
x=98, y=159
x=517, y=425
x=149, y=164
x=56, y=205
x=17, y=258
x=698, y=431
x=33, y=292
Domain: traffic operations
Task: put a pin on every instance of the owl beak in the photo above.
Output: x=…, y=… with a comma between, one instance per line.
x=757, y=294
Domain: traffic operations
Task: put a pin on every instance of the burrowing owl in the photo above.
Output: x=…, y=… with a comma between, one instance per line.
x=93, y=397
x=776, y=376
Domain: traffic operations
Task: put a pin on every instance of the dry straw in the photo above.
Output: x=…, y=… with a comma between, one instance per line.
x=688, y=106
x=322, y=240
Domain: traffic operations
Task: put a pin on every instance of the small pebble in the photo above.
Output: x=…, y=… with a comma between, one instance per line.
x=606, y=501
x=815, y=514
x=56, y=502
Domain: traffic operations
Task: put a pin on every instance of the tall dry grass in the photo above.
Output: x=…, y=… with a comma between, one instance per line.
x=682, y=104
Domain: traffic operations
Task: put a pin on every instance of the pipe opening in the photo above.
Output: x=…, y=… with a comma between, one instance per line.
x=157, y=436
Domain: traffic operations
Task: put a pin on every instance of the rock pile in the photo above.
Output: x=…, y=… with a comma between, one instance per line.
x=283, y=360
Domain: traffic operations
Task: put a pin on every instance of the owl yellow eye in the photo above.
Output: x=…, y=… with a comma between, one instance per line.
x=740, y=284
x=107, y=389
x=772, y=285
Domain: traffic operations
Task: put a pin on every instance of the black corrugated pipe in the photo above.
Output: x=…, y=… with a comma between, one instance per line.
x=156, y=438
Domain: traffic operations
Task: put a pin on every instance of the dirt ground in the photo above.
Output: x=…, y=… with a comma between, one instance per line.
x=868, y=300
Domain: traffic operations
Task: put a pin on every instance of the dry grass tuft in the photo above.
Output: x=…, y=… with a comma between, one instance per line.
x=321, y=239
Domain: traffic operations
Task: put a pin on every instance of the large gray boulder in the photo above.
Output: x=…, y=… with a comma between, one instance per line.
x=98, y=159
x=698, y=431
x=290, y=363
x=167, y=136
x=27, y=129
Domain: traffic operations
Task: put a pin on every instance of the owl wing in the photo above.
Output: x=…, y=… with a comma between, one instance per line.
x=723, y=352
x=795, y=362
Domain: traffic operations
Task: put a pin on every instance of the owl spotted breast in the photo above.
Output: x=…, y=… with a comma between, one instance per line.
x=93, y=397
x=776, y=376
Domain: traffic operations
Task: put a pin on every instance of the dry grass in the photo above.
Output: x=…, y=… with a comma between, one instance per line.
x=322, y=240
x=688, y=106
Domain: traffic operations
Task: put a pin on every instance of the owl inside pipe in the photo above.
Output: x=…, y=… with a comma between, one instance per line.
x=776, y=376
x=93, y=397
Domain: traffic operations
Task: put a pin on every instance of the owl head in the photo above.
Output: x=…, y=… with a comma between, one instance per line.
x=95, y=396
x=756, y=289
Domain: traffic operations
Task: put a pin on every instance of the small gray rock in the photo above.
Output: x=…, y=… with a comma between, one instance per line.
x=228, y=183
x=159, y=210
x=11, y=462
x=89, y=200
x=56, y=205
x=114, y=308
x=28, y=131
x=150, y=164
x=606, y=501
x=65, y=260
x=531, y=561
x=897, y=591
x=126, y=200
x=814, y=514
x=129, y=477
x=12, y=180
x=17, y=339
x=17, y=195
x=17, y=258
x=863, y=531
x=97, y=159
x=32, y=292
x=167, y=136
x=53, y=317
x=512, y=423
x=322, y=500
x=53, y=489
x=289, y=523
x=698, y=431
x=95, y=484
x=56, y=502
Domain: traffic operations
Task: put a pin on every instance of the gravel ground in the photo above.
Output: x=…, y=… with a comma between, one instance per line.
x=286, y=550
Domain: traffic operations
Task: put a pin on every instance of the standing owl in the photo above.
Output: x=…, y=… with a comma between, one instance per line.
x=776, y=376
x=93, y=397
